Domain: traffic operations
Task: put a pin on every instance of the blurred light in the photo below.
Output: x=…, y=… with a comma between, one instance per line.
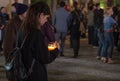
x=71, y=2
x=102, y=4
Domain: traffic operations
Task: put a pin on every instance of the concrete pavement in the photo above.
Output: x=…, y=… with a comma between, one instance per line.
x=2, y=71
x=84, y=68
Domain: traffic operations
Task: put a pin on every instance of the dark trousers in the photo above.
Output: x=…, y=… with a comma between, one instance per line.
x=90, y=35
x=76, y=45
x=95, y=42
x=71, y=46
x=116, y=38
x=1, y=41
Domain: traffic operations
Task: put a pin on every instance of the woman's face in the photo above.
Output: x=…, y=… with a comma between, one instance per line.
x=110, y=12
x=43, y=18
x=13, y=9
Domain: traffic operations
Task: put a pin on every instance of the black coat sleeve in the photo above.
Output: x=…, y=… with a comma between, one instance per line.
x=41, y=51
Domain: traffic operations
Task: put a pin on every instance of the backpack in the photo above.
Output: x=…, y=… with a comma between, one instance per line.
x=15, y=64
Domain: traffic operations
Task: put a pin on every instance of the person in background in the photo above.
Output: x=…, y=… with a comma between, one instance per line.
x=67, y=7
x=84, y=21
x=14, y=8
x=1, y=27
x=4, y=13
x=15, y=3
x=116, y=27
x=90, y=24
x=74, y=28
x=1, y=20
x=5, y=17
x=99, y=30
x=10, y=34
x=13, y=11
x=108, y=34
x=35, y=44
x=60, y=20
x=98, y=21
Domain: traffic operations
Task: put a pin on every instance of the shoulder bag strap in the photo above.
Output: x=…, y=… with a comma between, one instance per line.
x=30, y=70
x=31, y=67
x=24, y=41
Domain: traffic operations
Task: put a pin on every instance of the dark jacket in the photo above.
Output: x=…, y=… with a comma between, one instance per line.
x=74, y=24
x=98, y=17
x=118, y=21
x=34, y=47
x=1, y=20
x=10, y=35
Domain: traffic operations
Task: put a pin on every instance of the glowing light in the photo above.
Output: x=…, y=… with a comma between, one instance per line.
x=71, y=2
x=102, y=4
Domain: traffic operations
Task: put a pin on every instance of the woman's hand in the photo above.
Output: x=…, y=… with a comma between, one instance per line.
x=53, y=46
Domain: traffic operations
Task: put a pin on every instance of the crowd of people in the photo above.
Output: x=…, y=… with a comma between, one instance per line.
x=102, y=25
x=103, y=30
x=40, y=27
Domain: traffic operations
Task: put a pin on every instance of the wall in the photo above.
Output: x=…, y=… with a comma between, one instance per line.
x=5, y=2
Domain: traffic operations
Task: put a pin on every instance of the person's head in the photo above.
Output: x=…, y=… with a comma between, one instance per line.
x=90, y=1
x=108, y=11
x=13, y=9
x=16, y=1
x=97, y=5
x=118, y=7
x=62, y=4
x=38, y=14
x=90, y=8
x=76, y=5
x=3, y=10
x=115, y=9
x=67, y=7
x=21, y=10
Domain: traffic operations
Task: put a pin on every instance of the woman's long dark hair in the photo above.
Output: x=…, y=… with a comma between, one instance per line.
x=34, y=11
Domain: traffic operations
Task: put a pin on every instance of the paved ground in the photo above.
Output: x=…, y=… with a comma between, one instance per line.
x=2, y=71
x=83, y=68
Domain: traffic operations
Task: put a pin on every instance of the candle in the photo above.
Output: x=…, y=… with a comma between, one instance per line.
x=52, y=46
